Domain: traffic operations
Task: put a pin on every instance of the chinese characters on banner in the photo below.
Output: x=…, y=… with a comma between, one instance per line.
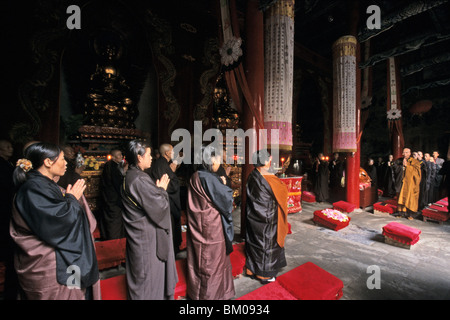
x=344, y=95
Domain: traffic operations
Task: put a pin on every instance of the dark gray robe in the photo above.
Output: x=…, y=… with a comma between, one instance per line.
x=264, y=255
x=111, y=224
x=150, y=262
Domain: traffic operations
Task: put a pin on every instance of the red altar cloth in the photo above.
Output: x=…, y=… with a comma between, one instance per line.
x=294, y=185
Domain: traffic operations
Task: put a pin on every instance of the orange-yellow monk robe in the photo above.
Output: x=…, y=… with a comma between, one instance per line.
x=409, y=194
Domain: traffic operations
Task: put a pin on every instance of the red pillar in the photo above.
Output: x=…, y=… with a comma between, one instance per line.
x=353, y=161
x=254, y=71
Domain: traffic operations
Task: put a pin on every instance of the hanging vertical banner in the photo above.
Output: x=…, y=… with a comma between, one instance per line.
x=394, y=109
x=279, y=71
x=344, y=95
x=393, y=104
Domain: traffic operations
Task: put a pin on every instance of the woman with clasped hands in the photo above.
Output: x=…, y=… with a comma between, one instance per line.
x=55, y=257
x=151, y=272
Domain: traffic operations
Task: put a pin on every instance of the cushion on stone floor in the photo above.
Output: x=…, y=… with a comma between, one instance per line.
x=393, y=202
x=401, y=233
x=385, y=207
x=237, y=258
x=438, y=215
x=439, y=208
x=114, y=288
x=308, y=196
x=331, y=218
x=180, y=288
x=270, y=291
x=443, y=201
x=110, y=253
x=344, y=206
x=310, y=282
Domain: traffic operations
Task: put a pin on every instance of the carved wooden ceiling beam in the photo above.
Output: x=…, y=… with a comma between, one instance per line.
x=409, y=46
x=390, y=20
x=419, y=66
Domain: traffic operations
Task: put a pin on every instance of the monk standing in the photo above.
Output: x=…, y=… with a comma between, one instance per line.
x=408, y=199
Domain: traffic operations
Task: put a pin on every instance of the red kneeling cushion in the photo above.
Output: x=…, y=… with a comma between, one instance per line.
x=334, y=224
x=344, y=206
x=385, y=207
x=180, y=288
x=114, y=288
x=439, y=208
x=110, y=253
x=308, y=196
x=270, y=291
x=401, y=233
x=436, y=214
x=237, y=258
x=310, y=282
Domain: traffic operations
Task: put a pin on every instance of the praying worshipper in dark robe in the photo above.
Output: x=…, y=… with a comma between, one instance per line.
x=389, y=177
x=53, y=232
x=110, y=220
x=165, y=164
x=321, y=188
x=372, y=172
x=438, y=178
x=221, y=172
x=431, y=172
x=398, y=175
x=150, y=261
x=423, y=193
x=408, y=199
x=432, y=179
x=336, y=167
x=445, y=173
x=6, y=199
x=266, y=221
x=73, y=172
x=210, y=232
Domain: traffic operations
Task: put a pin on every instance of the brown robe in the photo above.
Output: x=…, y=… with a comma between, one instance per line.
x=35, y=263
x=150, y=261
x=209, y=270
x=409, y=195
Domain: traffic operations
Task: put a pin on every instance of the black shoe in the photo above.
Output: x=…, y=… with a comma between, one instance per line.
x=266, y=281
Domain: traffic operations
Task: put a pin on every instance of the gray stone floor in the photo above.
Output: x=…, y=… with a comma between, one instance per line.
x=423, y=272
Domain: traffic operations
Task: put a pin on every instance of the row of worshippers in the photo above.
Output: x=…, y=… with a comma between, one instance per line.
x=329, y=177
x=52, y=228
x=416, y=179
x=390, y=175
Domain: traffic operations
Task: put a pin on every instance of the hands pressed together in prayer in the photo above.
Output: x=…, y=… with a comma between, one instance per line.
x=77, y=189
x=163, y=182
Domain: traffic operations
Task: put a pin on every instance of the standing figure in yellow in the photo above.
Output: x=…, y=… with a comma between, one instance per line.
x=408, y=199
